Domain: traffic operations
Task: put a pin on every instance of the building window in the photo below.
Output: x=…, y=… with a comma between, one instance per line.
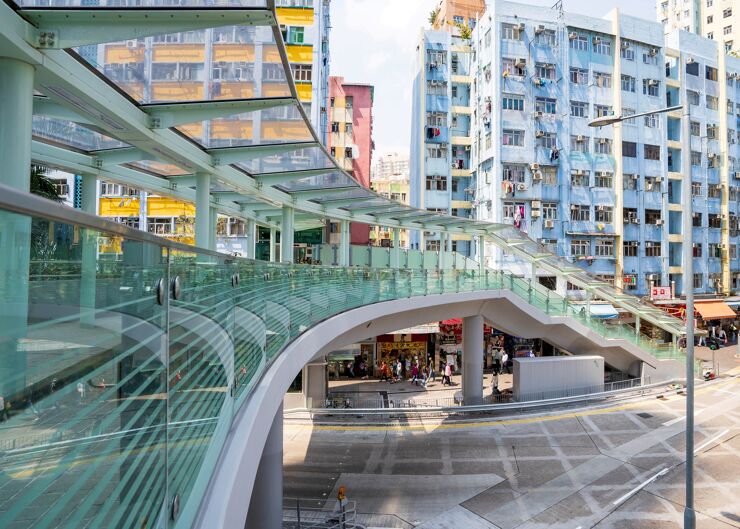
x=549, y=175
x=714, y=221
x=712, y=131
x=436, y=183
x=628, y=83
x=578, y=76
x=580, y=178
x=550, y=210
x=710, y=19
x=579, y=109
x=714, y=251
x=712, y=102
x=335, y=126
x=629, y=181
x=603, y=179
x=511, y=32
x=602, y=146
x=436, y=151
x=580, y=247
x=580, y=43
x=653, y=249
x=515, y=67
x=604, y=214
x=710, y=73
x=547, y=140
x=514, y=173
x=697, y=249
x=545, y=105
x=580, y=213
x=630, y=248
x=348, y=152
x=652, y=216
x=692, y=68
x=628, y=112
x=301, y=72
x=544, y=70
x=513, y=210
x=512, y=102
x=696, y=187
x=293, y=34
x=432, y=246
x=436, y=119
x=604, y=247
x=727, y=13
x=652, y=152
x=602, y=110
x=546, y=38
x=603, y=80
x=629, y=149
x=695, y=128
x=513, y=138
x=698, y=281
x=652, y=184
x=579, y=144
x=650, y=58
x=602, y=46
x=714, y=191
x=710, y=35
x=160, y=225
x=696, y=158
x=628, y=54
x=436, y=88
x=651, y=121
x=651, y=87
x=693, y=97
x=629, y=215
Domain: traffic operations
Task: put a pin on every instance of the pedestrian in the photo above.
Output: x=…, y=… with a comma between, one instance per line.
x=81, y=391
x=424, y=376
x=505, y=363
x=496, y=363
x=399, y=371
x=432, y=373
x=722, y=335
x=415, y=374
x=3, y=411
x=448, y=374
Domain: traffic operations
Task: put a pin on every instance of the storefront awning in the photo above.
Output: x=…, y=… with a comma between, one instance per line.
x=715, y=310
x=603, y=310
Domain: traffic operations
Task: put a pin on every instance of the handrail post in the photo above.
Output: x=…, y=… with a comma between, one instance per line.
x=547, y=302
x=529, y=292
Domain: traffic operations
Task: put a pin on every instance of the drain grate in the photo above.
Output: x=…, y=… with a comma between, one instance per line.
x=645, y=415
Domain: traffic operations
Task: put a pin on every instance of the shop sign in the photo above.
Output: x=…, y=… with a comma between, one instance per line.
x=661, y=293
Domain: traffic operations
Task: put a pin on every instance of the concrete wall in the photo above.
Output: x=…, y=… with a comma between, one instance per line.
x=557, y=373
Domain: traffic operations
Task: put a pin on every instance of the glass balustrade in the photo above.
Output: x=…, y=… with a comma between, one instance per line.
x=124, y=358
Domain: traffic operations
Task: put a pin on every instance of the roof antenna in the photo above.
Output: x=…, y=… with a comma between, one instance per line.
x=558, y=6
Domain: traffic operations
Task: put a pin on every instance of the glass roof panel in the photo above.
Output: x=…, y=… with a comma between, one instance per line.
x=324, y=181
x=310, y=158
x=349, y=194
x=159, y=168
x=269, y=126
x=71, y=135
x=373, y=200
x=244, y=64
x=119, y=4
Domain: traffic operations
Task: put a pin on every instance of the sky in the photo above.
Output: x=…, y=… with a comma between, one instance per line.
x=374, y=41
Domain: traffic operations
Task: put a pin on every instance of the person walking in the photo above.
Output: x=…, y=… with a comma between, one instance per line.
x=448, y=374
x=3, y=411
x=415, y=374
x=400, y=371
x=505, y=363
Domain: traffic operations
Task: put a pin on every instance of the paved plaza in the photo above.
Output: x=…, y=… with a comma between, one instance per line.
x=566, y=469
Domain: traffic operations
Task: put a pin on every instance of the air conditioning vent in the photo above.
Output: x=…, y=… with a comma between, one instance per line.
x=597, y=41
x=539, y=29
x=519, y=26
x=538, y=114
x=534, y=166
x=635, y=221
x=536, y=204
x=580, y=138
x=653, y=52
x=549, y=224
x=521, y=187
x=539, y=134
x=659, y=222
x=625, y=45
x=690, y=60
x=572, y=35
x=535, y=213
x=537, y=176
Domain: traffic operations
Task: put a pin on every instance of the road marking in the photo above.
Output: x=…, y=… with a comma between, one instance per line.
x=640, y=487
x=713, y=439
x=679, y=419
x=730, y=392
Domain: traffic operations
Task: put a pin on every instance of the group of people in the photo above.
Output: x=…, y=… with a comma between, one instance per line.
x=402, y=369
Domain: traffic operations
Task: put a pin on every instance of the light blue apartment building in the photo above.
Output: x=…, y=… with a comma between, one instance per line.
x=608, y=198
x=440, y=163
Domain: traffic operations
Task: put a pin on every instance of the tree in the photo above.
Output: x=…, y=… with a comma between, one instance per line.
x=465, y=32
x=433, y=16
x=41, y=185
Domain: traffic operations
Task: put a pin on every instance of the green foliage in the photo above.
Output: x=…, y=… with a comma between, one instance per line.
x=433, y=16
x=41, y=185
x=465, y=32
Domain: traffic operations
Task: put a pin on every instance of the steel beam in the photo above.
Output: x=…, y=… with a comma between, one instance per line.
x=166, y=115
x=289, y=176
x=61, y=28
x=43, y=106
x=312, y=194
x=120, y=156
x=230, y=155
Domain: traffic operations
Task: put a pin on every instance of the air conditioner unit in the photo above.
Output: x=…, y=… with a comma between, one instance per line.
x=539, y=29
x=580, y=172
x=519, y=26
x=625, y=45
x=597, y=41
x=538, y=114
x=737, y=174
x=711, y=156
x=572, y=35
x=635, y=177
x=536, y=176
x=521, y=187
x=653, y=82
x=690, y=60
x=653, y=52
x=131, y=43
x=635, y=221
x=535, y=213
x=652, y=277
x=536, y=204
x=600, y=208
x=539, y=134
x=659, y=222
x=549, y=224
x=520, y=63
x=603, y=141
x=573, y=207
x=534, y=166
x=658, y=179
x=467, y=148
x=580, y=138
x=648, y=186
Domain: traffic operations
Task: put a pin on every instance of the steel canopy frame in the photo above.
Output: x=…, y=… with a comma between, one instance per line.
x=94, y=100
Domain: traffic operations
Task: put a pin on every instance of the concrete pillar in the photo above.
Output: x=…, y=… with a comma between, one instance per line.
x=396, y=252
x=472, y=375
x=213, y=223
x=273, y=238
x=266, y=504
x=344, y=243
x=16, y=109
x=315, y=384
x=202, y=209
x=88, y=269
x=251, y=238
x=286, y=234
x=561, y=286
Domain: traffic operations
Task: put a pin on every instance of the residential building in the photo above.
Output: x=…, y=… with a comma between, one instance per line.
x=230, y=62
x=714, y=19
x=390, y=178
x=609, y=199
x=440, y=171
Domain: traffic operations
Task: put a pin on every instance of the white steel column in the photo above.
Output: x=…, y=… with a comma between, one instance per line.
x=202, y=210
x=442, y=262
x=286, y=234
x=88, y=269
x=481, y=253
x=16, y=116
x=213, y=223
x=266, y=504
x=396, y=252
x=472, y=374
x=273, y=238
x=251, y=238
x=344, y=246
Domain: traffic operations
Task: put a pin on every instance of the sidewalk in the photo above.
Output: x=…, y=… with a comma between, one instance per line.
x=407, y=392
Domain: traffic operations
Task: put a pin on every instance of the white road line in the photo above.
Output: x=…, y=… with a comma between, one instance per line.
x=713, y=439
x=640, y=487
x=725, y=391
x=679, y=419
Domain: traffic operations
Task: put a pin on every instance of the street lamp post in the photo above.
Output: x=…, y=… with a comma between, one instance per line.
x=689, y=518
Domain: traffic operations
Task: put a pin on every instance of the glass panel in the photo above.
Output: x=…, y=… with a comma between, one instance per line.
x=311, y=158
x=328, y=180
x=82, y=376
x=142, y=3
x=159, y=168
x=69, y=134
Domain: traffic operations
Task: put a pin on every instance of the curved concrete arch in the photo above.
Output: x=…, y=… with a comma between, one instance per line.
x=226, y=503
